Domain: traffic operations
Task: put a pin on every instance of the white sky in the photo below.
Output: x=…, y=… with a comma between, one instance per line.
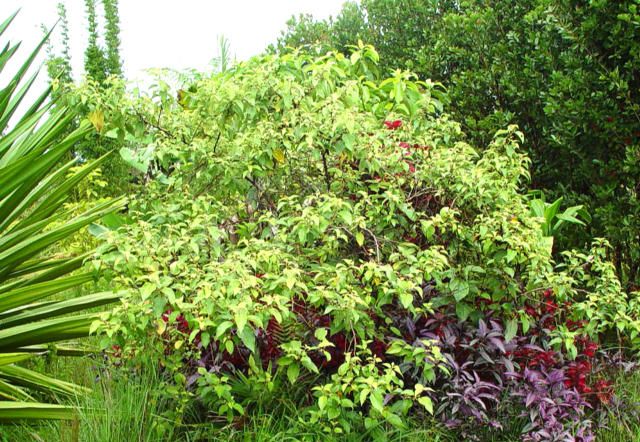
x=168, y=33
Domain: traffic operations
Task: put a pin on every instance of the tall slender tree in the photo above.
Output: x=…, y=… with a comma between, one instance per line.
x=59, y=64
x=64, y=34
x=112, y=37
x=94, y=57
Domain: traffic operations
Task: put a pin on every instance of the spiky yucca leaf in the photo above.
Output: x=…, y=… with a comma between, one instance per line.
x=34, y=185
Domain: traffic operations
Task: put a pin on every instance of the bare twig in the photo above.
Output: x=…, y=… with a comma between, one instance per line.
x=155, y=126
x=327, y=177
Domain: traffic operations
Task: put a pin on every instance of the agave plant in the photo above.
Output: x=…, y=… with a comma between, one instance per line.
x=35, y=182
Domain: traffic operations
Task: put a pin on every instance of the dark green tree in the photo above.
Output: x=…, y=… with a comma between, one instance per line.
x=349, y=26
x=304, y=30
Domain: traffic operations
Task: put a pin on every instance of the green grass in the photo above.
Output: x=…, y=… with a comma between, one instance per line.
x=624, y=424
x=126, y=407
x=276, y=427
x=123, y=407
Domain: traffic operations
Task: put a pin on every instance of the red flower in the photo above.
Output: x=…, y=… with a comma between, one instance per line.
x=182, y=324
x=546, y=358
x=535, y=357
x=393, y=125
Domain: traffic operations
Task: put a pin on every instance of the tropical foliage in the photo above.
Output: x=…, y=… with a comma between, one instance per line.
x=317, y=231
x=36, y=179
x=431, y=240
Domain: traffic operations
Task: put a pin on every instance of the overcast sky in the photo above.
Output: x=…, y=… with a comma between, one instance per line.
x=169, y=33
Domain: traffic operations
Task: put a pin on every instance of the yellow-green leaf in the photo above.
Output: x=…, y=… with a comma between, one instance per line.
x=97, y=119
x=278, y=155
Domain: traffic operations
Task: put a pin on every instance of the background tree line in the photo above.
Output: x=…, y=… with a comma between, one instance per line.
x=101, y=56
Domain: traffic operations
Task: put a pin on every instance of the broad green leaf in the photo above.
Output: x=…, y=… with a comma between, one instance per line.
x=463, y=310
x=293, y=370
x=406, y=299
x=376, y=400
x=459, y=289
x=50, y=330
x=34, y=380
x=16, y=411
x=278, y=155
x=96, y=118
x=427, y=403
x=511, y=329
x=247, y=337
x=60, y=308
x=222, y=328
x=240, y=317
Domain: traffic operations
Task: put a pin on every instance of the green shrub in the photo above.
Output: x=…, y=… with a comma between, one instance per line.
x=306, y=212
x=565, y=71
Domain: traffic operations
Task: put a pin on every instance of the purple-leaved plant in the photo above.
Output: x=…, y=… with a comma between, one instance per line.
x=555, y=412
